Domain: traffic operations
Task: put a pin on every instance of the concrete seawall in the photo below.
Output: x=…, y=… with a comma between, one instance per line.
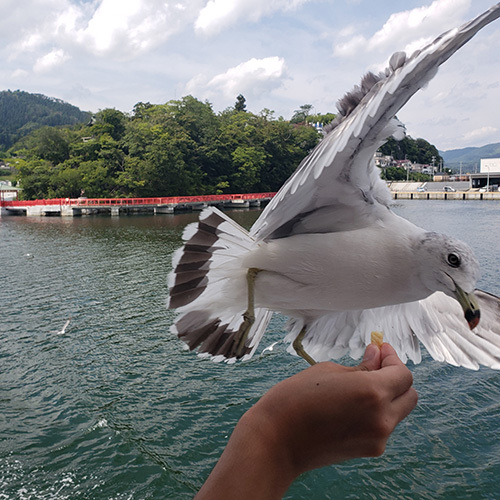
x=445, y=195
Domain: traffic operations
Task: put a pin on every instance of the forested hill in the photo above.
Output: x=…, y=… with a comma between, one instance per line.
x=22, y=112
x=470, y=158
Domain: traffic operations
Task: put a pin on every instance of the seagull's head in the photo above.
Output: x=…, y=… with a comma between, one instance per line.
x=450, y=266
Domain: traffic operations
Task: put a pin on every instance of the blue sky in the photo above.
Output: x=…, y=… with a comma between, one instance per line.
x=280, y=54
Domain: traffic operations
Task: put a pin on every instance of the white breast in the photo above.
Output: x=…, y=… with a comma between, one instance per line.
x=359, y=269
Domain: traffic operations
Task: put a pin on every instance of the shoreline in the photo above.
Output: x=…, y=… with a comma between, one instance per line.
x=445, y=195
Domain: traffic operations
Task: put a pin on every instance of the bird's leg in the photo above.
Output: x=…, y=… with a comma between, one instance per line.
x=299, y=348
x=249, y=314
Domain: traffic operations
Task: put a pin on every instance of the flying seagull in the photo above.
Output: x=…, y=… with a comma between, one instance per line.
x=329, y=253
x=63, y=330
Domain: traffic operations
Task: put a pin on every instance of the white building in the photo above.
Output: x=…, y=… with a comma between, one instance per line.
x=490, y=165
x=488, y=178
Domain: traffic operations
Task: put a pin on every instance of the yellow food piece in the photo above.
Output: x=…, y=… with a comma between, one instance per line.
x=377, y=338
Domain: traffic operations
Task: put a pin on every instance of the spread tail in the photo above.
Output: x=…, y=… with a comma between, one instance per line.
x=208, y=287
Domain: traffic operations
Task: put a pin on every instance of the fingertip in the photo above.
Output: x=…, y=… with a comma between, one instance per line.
x=389, y=356
x=387, y=348
x=372, y=350
x=371, y=358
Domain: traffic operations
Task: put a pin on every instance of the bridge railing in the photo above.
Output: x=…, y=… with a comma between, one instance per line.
x=169, y=200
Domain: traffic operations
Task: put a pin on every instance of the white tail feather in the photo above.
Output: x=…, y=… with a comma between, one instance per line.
x=209, y=288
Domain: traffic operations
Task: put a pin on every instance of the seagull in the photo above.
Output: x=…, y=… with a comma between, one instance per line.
x=329, y=252
x=63, y=330
x=269, y=348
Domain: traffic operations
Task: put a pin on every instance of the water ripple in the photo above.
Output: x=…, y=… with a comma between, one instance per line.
x=115, y=408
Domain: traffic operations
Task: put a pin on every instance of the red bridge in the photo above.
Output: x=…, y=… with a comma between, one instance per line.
x=79, y=206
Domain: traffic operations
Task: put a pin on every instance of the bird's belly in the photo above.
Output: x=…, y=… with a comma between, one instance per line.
x=280, y=292
x=332, y=273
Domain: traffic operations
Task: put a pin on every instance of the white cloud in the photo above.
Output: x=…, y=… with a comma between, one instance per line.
x=196, y=84
x=408, y=29
x=219, y=14
x=19, y=74
x=31, y=42
x=130, y=26
x=49, y=61
x=251, y=77
x=116, y=28
x=480, y=133
x=351, y=47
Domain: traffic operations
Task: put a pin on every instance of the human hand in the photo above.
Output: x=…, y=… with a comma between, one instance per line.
x=325, y=414
x=329, y=413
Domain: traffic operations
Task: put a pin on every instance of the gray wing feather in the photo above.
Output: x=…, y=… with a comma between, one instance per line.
x=449, y=338
x=340, y=171
x=437, y=322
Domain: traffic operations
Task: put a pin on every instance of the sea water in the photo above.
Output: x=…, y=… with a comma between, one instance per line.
x=111, y=405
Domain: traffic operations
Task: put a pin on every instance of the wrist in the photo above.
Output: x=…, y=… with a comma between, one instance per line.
x=269, y=445
x=254, y=464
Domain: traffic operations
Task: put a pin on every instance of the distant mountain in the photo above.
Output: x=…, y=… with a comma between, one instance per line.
x=469, y=157
x=22, y=112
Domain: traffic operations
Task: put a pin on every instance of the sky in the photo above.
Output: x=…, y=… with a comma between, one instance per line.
x=280, y=54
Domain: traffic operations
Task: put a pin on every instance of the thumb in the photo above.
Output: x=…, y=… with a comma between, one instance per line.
x=371, y=359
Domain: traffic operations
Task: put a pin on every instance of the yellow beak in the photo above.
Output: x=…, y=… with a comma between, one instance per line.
x=469, y=305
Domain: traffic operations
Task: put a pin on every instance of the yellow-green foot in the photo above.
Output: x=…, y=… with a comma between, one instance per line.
x=299, y=348
x=248, y=315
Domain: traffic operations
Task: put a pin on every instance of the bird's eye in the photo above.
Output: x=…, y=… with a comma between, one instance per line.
x=453, y=260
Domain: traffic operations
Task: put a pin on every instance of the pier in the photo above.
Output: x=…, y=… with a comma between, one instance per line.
x=71, y=207
x=445, y=195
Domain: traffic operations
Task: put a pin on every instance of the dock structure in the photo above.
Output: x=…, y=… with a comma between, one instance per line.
x=71, y=207
x=445, y=195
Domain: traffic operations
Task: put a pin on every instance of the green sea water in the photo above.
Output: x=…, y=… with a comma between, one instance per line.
x=114, y=407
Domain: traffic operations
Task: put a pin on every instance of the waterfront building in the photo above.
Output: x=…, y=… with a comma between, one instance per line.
x=488, y=178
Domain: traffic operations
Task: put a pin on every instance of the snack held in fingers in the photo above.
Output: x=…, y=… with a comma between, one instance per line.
x=377, y=338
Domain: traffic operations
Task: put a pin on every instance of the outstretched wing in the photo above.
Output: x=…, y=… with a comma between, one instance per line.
x=337, y=186
x=436, y=321
x=445, y=334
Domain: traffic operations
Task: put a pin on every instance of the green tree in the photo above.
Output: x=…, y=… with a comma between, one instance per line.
x=36, y=175
x=285, y=145
x=300, y=115
x=84, y=149
x=428, y=153
x=170, y=171
x=52, y=145
x=321, y=118
x=240, y=104
x=96, y=182
x=132, y=180
x=140, y=110
x=110, y=153
x=67, y=182
x=248, y=162
x=110, y=121
x=417, y=151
